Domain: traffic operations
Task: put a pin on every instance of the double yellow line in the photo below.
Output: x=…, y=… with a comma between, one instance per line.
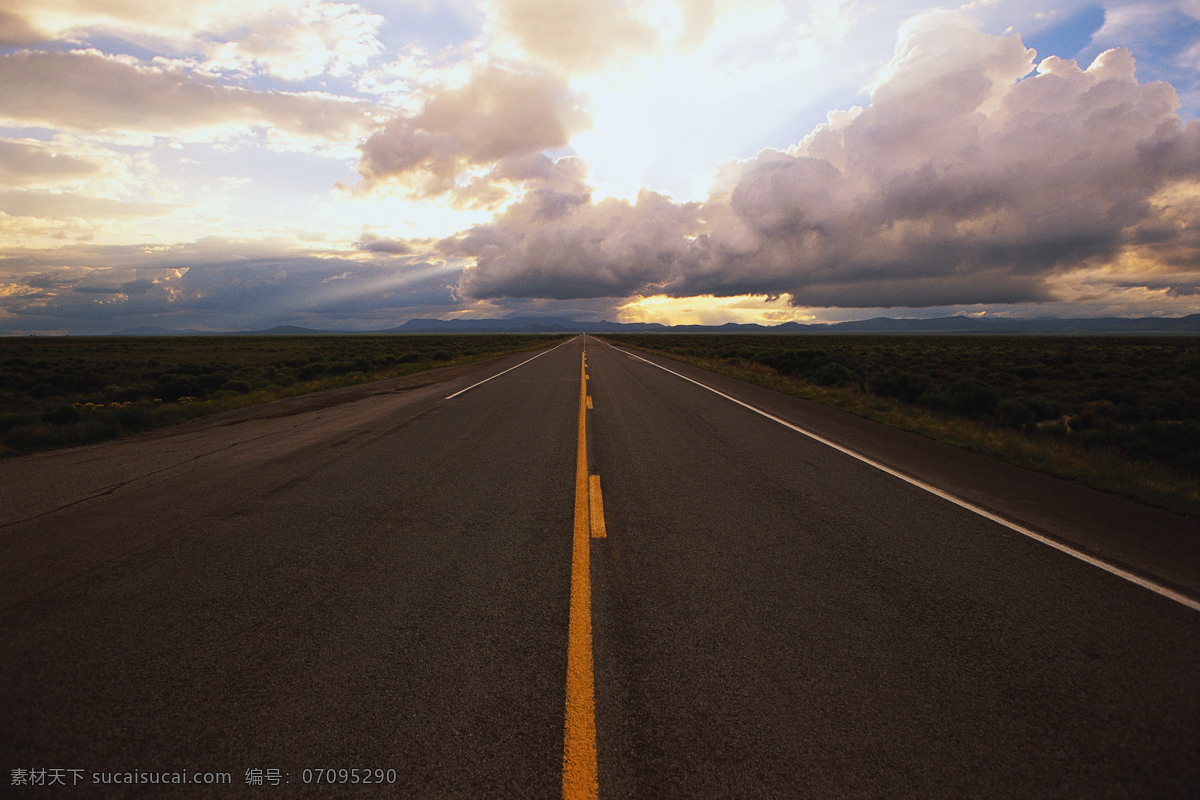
x=580, y=778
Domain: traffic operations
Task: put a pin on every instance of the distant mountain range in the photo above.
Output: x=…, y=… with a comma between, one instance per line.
x=1163, y=325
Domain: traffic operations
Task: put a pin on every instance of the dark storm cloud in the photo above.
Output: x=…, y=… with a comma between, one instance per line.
x=214, y=283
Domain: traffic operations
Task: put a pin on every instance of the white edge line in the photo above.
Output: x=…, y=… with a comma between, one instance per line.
x=1171, y=594
x=510, y=369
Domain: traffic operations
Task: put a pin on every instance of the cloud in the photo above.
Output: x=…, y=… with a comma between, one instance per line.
x=1163, y=35
x=88, y=92
x=28, y=162
x=299, y=42
x=56, y=206
x=577, y=35
x=286, y=39
x=374, y=243
x=967, y=179
x=586, y=37
x=15, y=30
x=218, y=283
x=962, y=181
x=560, y=245
x=498, y=113
x=71, y=188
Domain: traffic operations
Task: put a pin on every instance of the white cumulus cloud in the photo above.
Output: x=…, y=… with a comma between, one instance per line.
x=498, y=113
x=966, y=179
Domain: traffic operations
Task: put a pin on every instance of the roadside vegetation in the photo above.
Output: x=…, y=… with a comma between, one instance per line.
x=67, y=391
x=1121, y=414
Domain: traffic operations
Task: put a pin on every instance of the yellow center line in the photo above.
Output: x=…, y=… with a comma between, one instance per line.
x=597, y=508
x=579, y=740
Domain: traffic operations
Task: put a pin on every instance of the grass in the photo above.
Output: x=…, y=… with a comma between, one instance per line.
x=1119, y=415
x=68, y=391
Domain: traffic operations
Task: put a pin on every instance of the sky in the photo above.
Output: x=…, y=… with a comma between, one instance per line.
x=230, y=165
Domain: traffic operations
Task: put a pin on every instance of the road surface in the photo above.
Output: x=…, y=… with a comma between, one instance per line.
x=393, y=585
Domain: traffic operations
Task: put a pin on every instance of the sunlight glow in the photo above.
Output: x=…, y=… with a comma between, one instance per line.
x=667, y=120
x=709, y=310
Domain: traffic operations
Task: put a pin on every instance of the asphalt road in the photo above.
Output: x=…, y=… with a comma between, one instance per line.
x=383, y=582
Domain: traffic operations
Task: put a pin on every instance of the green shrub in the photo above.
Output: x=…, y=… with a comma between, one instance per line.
x=833, y=374
x=1014, y=413
x=171, y=386
x=11, y=420
x=1043, y=408
x=63, y=414
x=311, y=372
x=903, y=386
x=972, y=398
x=1096, y=415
